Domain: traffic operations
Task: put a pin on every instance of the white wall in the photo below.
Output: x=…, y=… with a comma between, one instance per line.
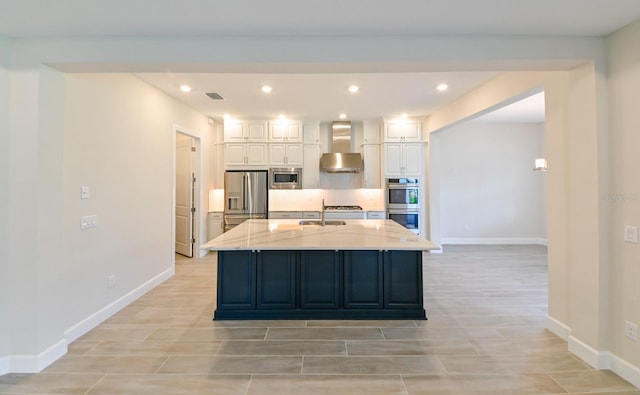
x=4, y=207
x=488, y=191
x=623, y=198
x=119, y=141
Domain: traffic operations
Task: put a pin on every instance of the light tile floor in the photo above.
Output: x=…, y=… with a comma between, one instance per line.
x=485, y=335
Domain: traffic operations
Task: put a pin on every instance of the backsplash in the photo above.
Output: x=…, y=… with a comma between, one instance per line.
x=311, y=199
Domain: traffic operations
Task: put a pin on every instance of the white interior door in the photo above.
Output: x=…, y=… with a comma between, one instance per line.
x=185, y=207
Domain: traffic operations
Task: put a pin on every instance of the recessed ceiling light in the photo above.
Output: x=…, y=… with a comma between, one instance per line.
x=185, y=88
x=442, y=87
x=354, y=88
x=266, y=89
x=342, y=116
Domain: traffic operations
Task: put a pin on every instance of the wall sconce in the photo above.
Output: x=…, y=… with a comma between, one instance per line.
x=540, y=164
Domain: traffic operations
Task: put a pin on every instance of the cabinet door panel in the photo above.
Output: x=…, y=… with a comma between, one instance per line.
x=403, y=279
x=256, y=154
x=320, y=280
x=236, y=280
x=294, y=154
x=256, y=132
x=311, y=167
x=276, y=274
x=393, y=159
x=277, y=153
x=363, y=279
x=234, y=154
x=412, y=158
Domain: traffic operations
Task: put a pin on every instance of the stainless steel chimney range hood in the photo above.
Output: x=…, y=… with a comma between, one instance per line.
x=341, y=159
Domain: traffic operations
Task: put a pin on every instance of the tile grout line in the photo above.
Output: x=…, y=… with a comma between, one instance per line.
x=249, y=385
x=96, y=383
x=406, y=391
x=162, y=364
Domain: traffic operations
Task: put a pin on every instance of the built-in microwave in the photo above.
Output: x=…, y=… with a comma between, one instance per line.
x=402, y=193
x=285, y=178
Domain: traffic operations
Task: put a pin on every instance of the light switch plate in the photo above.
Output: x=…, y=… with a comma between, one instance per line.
x=84, y=192
x=631, y=234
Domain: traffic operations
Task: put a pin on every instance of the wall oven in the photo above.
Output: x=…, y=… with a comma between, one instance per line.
x=285, y=178
x=408, y=219
x=402, y=194
x=402, y=201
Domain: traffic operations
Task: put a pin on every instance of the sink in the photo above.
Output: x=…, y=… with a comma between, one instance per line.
x=319, y=223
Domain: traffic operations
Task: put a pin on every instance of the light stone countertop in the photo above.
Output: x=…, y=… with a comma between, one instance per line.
x=288, y=234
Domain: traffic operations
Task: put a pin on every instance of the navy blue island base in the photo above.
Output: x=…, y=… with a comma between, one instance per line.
x=319, y=284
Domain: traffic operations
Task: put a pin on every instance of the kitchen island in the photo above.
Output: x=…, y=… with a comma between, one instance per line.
x=279, y=269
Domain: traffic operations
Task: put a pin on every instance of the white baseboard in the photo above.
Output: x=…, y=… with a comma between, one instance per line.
x=597, y=359
x=493, y=240
x=624, y=369
x=35, y=363
x=101, y=315
x=4, y=365
x=557, y=327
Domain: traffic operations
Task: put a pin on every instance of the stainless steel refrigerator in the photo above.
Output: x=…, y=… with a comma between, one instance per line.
x=245, y=195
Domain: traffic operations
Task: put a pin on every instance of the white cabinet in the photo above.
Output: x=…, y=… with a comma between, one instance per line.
x=245, y=154
x=311, y=167
x=285, y=214
x=285, y=131
x=402, y=159
x=372, y=171
x=219, y=167
x=239, y=131
x=311, y=132
x=371, y=132
x=214, y=225
x=281, y=154
x=375, y=215
x=402, y=130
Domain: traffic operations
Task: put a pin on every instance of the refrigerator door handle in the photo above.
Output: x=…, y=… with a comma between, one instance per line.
x=244, y=192
x=249, y=195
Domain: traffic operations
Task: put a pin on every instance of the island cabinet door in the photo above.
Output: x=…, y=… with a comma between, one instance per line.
x=362, y=280
x=236, y=280
x=320, y=280
x=276, y=272
x=403, y=279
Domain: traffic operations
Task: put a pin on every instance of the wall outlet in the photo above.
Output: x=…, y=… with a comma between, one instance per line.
x=111, y=281
x=631, y=234
x=88, y=221
x=631, y=330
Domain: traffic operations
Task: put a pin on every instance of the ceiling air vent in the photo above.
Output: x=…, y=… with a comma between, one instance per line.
x=214, y=96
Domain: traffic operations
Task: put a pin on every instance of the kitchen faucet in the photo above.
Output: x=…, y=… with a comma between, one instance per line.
x=322, y=213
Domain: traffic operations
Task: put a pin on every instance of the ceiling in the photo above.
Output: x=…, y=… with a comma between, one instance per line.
x=318, y=96
x=37, y=18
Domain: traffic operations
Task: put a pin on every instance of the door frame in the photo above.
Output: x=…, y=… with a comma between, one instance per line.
x=197, y=195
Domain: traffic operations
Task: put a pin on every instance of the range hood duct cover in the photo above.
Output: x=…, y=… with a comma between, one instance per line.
x=341, y=159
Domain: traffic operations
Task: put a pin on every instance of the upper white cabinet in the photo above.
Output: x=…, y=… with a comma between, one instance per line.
x=238, y=131
x=311, y=132
x=281, y=154
x=289, y=131
x=402, y=130
x=402, y=159
x=372, y=168
x=370, y=132
x=245, y=154
x=311, y=167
